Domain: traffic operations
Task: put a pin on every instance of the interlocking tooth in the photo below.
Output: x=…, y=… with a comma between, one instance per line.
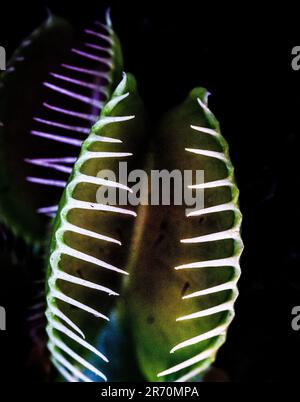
x=108, y=20
x=80, y=83
x=74, y=95
x=64, y=362
x=224, y=235
x=91, y=118
x=203, y=337
x=102, y=182
x=95, y=73
x=221, y=262
x=97, y=47
x=47, y=182
x=228, y=306
x=111, y=119
x=55, y=324
x=59, y=138
x=69, y=300
x=61, y=159
x=36, y=316
x=101, y=138
x=204, y=106
x=65, y=374
x=106, y=61
x=85, y=232
x=82, y=282
x=206, y=130
x=196, y=359
x=204, y=152
x=26, y=42
x=37, y=306
x=211, y=290
x=45, y=210
x=99, y=35
x=76, y=129
x=101, y=207
x=50, y=165
x=111, y=104
x=212, y=184
x=217, y=208
x=194, y=372
x=56, y=311
x=104, y=26
x=64, y=249
x=61, y=345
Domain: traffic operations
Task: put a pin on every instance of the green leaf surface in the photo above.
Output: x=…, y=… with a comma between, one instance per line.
x=20, y=95
x=22, y=100
x=90, y=243
x=179, y=316
x=176, y=304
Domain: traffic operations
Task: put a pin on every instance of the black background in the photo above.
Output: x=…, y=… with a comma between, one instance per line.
x=242, y=55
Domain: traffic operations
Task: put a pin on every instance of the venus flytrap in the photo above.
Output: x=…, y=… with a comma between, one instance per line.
x=177, y=301
x=133, y=292
x=87, y=237
x=188, y=263
x=70, y=79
